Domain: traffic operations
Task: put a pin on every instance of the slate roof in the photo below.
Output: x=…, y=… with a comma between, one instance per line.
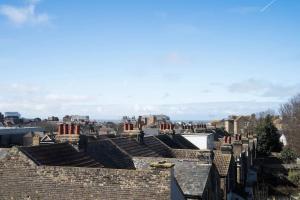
x=59, y=155
x=176, y=141
x=108, y=154
x=191, y=175
x=134, y=148
x=222, y=162
x=158, y=146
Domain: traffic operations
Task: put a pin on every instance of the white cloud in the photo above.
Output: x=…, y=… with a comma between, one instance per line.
x=267, y=6
x=32, y=101
x=24, y=15
x=264, y=88
x=252, y=9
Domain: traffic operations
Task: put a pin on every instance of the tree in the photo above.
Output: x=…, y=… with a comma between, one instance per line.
x=267, y=136
x=288, y=155
x=290, y=113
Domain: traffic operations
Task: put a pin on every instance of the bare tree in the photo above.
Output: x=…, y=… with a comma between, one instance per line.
x=290, y=113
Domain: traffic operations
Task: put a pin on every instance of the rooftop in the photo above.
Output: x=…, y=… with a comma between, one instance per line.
x=59, y=155
x=191, y=175
x=222, y=162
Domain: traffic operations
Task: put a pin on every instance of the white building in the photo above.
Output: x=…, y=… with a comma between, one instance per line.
x=201, y=140
x=79, y=118
x=12, y=115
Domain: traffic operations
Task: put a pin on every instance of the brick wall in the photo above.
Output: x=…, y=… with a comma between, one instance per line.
x=22, y=179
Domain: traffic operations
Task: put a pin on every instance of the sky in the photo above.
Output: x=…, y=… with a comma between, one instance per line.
x=189, y=59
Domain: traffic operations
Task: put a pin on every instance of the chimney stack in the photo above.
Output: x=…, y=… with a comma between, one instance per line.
x=61, y=129
x=131, y=126
x=140, y=137
x=71, y=129
x=126, y=126
x=66, y=128
x=226, y=149
x=77, y=129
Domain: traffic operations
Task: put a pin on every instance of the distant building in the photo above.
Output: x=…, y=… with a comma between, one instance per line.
x=67, y=118
x=76, y=118
x=80, y=118
x=162, y=118
x=229, y=126
x=52, y=118
x=218, y=123
x=240, y=125
x=10, y=136
x=13, y=117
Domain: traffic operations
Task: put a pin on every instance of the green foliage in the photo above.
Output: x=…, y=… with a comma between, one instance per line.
x=267, y=137
x=294, y=177
x=288, y=155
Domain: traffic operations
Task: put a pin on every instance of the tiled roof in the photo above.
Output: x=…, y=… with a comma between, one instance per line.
x=134, y=148
x=176, y=141
x=26, y=180
x=222, y=162
x=59, y=155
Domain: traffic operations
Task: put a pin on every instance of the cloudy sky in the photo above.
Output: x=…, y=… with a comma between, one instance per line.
x=196, y=59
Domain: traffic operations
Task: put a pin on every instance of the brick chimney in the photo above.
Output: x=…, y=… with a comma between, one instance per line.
x=126, y=127
x=161, y=127
x=66, y=128
x=71, y=129
x=237, y=147
x=140, y=137
x=61, y=129
x=77, y=129
x=131, y=126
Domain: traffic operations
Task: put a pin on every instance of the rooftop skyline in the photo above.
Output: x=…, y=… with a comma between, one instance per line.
x=189, y=60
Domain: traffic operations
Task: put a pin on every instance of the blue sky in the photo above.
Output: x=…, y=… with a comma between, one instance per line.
x=196, y=59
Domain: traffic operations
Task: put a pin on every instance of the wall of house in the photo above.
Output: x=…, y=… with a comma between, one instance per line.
x=241, y=125
x=202, y=141
x=229, y=127
x=25, y=180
